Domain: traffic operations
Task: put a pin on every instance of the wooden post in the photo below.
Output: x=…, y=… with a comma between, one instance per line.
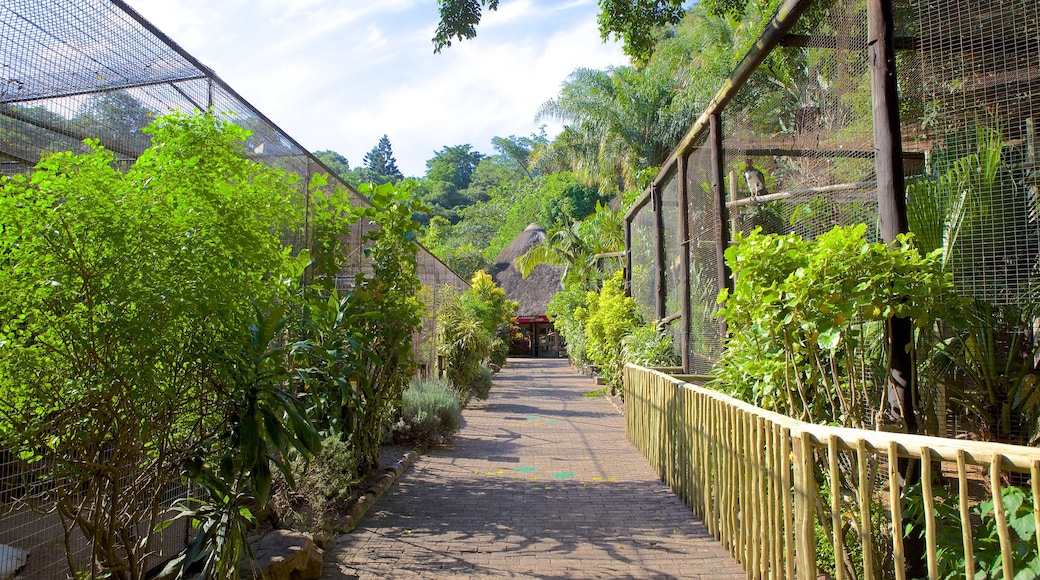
x=628, y=257
x=684, y=261
x=721, y=220
x=661, y=280
x=734, y=197
x=892, y=213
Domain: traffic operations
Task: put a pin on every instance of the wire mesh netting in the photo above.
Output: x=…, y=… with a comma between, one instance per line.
x=802, y=124
x=77, y=69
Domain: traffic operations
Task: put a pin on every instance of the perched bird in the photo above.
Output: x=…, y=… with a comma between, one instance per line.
x=756, y=182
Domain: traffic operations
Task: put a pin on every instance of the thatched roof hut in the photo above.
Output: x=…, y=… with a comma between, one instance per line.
x=534, y=292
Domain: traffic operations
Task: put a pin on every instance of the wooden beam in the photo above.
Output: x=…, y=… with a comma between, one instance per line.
x=846, y=42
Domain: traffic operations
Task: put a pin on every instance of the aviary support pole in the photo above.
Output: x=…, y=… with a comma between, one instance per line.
x=718, y=160
x=684, y=259
x=891, y=189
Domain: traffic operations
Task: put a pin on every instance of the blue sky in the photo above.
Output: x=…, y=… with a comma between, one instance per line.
x=338, y=74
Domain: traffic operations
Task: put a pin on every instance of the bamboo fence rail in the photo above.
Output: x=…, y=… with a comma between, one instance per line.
x=765, y=485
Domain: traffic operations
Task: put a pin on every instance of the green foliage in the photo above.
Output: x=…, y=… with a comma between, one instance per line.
x=468, y=327
x=804, y=318
x=430, y=412
x=336, y=163
x=609, y=316
x=563, y=309
x=499, y=353
x=987, y=362
x=635, y=22
x=155, y=327
x=1018, y=511
x=387, y=307
x=127, y=301
x=380, y=161
x=649, y=347
x=459, y=19
x=575, y=248
x=324, y=485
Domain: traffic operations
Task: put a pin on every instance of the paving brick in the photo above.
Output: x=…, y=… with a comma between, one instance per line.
x=539, y=483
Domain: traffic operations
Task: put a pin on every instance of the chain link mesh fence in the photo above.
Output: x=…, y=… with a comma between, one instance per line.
x=77, y=69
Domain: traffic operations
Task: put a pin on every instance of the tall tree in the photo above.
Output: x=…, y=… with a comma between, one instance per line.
x=334, y=161
x=634, y=22
x=619, y=122
x=381, y=160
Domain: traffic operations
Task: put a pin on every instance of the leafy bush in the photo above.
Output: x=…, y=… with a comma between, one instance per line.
x=468, y=326
x=562, y=309
x=430, y=410
x=608, y=317
x=127, y=301
x=806, y=319
x=323, y=484
x=481, y=387
x=1018, y=511
x=646, y=346
x=499, y=353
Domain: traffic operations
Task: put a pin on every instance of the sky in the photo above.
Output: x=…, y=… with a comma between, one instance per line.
x=339, y=74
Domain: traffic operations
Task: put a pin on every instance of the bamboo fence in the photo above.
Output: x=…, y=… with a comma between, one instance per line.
x=765, y=485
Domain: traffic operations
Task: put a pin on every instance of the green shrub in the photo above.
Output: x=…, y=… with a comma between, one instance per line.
x=499, y=352
x=646, y=346
x=609, y=317
x=430, y=410
x=481, y=387
x=562, y=309
x=327, y=482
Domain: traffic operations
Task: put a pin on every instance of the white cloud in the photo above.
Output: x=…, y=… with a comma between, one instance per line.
x=338, y=74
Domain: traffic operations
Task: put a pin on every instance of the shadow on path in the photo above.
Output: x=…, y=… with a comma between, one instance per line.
x=539, y=483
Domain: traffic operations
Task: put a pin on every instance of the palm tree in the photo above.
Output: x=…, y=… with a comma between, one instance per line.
x=618, y=122
x=578, y=247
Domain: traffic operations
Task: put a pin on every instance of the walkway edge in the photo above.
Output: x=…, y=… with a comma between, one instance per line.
x=349, y=522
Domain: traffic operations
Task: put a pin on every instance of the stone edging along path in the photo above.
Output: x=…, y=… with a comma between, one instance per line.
x=349, y=522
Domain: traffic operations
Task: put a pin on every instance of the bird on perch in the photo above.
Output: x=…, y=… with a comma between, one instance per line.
x=756, y=182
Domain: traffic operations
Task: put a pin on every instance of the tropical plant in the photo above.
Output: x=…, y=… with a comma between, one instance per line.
x=578, y=248
x=127, y=301
x=804, y=318
x=987, y=364
x=617, y=123
x=562, y=309
x=469, y=326
x=609, y=316
x=648, y=346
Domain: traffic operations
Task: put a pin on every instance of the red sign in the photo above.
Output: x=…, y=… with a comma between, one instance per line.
x=530, y=319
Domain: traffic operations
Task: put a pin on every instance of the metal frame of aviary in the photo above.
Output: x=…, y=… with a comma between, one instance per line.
x=968, y=71
x=76, y=69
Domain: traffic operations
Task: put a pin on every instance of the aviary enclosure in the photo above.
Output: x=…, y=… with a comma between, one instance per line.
x=77, y=69
x=800, y=111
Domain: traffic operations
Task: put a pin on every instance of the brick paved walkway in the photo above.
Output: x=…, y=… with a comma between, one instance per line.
x=539, y=483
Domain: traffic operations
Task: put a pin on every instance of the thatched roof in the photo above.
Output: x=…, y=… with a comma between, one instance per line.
x=534, y=292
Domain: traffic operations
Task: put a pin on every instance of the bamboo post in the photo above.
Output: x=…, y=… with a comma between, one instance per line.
x=836, y=535
x=804, y=509
x=966, y=531
x=998, y=511
x=895, y=500
x=929, y=511
x=866, y=486
x=1034, y=479
x=786, y=486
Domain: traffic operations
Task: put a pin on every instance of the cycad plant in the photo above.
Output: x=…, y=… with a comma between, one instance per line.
x=974, y=207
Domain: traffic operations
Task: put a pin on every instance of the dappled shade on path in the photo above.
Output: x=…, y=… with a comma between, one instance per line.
x=539, y=483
